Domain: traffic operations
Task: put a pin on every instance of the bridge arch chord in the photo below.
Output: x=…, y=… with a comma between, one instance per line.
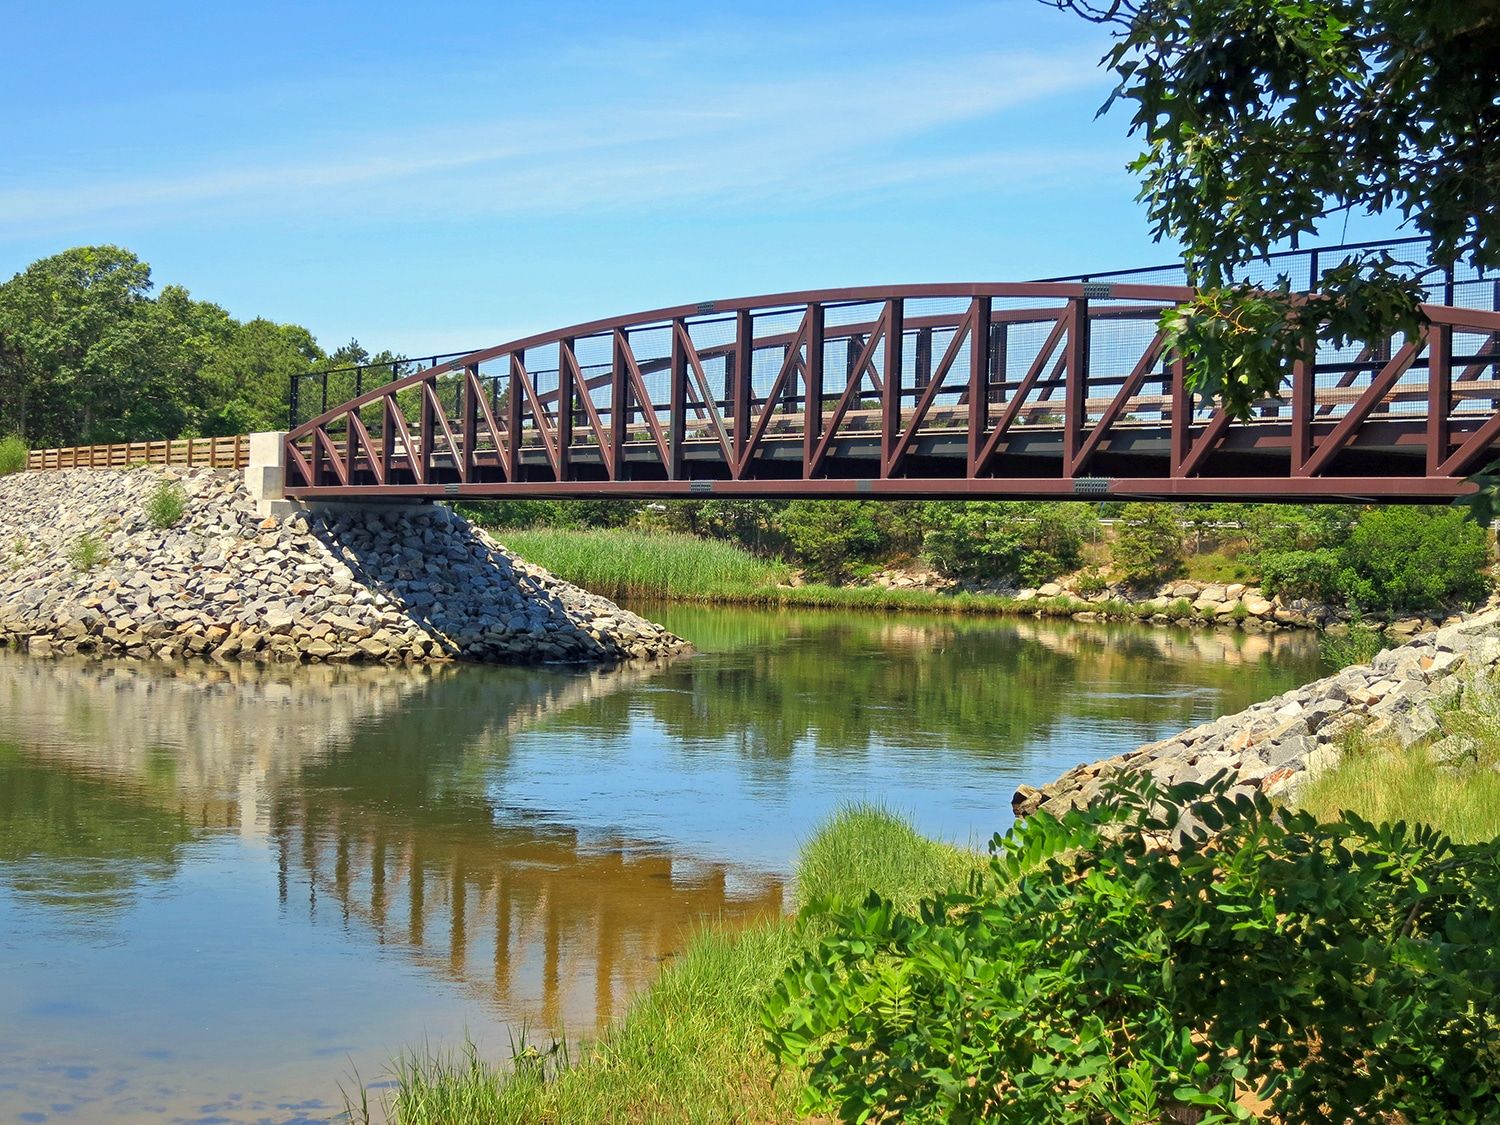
x=1057, y=389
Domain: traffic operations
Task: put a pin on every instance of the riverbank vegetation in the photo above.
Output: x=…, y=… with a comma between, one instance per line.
x=1382, y=561
x=692, y=1048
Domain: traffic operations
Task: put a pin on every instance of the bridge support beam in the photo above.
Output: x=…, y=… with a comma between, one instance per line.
x=265, y=475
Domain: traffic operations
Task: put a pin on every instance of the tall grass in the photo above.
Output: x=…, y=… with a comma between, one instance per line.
x=690, y=1049
x=638, y=564
x=660, y=565
x=1390, y=784
x=1460, y=795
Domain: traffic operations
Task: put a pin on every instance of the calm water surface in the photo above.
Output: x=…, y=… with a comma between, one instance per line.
x=225, y=891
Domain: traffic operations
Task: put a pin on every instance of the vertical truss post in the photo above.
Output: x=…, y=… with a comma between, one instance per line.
x=999, y=346
x=1303, y=389
x=1076, y=389
x=895, y=339
x=565, y=394
x=470, y=420
x=744, y=356
x=426, y=427
x=677, y=402
x=922, y=373
x=619, y=405
x=980, y=355
x=1439, y=395
x=1182, y=413
x=513, y=406
x=812, y=399
x=388, y=434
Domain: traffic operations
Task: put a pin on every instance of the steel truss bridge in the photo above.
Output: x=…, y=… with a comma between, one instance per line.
x=1057, y=389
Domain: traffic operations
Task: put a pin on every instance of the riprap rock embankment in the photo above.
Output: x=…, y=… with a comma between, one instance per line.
x=1277, y=746
x=83, y=569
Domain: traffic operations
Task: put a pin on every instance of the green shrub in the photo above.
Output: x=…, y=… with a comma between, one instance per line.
x=165, y=505
x=1409, y=559
x=1344, y=971
x=1092, y=583
x=829, y=537
x=1301, y=574
x=1148, y=543
x=1028, y=541
x=86, y=553
x=13, y=455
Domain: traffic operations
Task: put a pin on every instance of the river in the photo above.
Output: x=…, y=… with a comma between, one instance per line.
x=226, y=891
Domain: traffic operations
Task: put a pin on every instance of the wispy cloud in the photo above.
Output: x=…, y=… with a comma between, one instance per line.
x=842, y=132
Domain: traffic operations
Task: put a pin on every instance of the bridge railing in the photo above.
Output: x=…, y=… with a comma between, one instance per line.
x=207, y=452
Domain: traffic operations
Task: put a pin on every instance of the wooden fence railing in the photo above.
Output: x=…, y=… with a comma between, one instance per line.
x=207, y=452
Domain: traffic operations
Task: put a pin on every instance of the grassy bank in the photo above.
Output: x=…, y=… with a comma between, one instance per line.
x=620, y=563
x=1460, y=794
x=690, y=1049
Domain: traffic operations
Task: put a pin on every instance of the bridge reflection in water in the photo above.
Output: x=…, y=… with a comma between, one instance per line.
x=373, y=789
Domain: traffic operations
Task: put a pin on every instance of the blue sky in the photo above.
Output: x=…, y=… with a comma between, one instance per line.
x=450, y=175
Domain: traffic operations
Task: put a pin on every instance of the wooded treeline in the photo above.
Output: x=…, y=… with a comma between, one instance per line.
x=89, y=354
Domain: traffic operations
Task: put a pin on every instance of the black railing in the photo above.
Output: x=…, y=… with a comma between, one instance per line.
x=1445, y=284
x=312, y=392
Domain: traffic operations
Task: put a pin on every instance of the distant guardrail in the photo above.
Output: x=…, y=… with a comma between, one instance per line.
x=206, y=452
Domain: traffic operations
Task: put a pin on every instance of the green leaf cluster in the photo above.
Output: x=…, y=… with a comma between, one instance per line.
x=1028, y=541
x=1342, y=971
x=1262, y=119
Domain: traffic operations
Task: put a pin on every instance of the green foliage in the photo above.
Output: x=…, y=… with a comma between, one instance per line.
x=86, y=553
x=13, y=454
x=1391, y=783
x=1148, y=543
x=165, y=505
x=1392, y=559
x=1343, y=970
x=830, y=537
x=1301, y=574
x=1260, y=118
x=1407, y=558
x=88, y=355
x=1024, y=540
x=1359, y=643
x=1092, y=583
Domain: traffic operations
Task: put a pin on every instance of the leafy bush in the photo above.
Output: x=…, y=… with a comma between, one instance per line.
x=1344, y=971
x=1412, y=559
x=13, y=455
x=829, y=537
x=1301, y=574
x=1148, y=543
x=1092, y=583
x=165, y=505
x=1024, y=540
x=87, y=552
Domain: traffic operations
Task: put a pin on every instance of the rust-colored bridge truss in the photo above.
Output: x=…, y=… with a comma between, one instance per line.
x=1056, y=389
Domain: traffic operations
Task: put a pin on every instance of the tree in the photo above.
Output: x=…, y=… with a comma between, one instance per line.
x=1262, y=119
x=246, y=379
x=830, y=536
x=1148, y=543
